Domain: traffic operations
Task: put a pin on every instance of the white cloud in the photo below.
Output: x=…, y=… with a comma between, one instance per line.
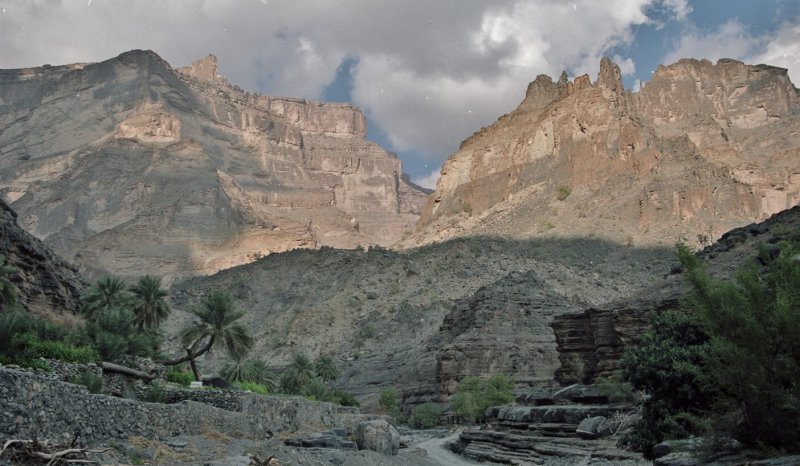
x=783, y=50
x=429, y=73
x=729, y=40
x=429, y=180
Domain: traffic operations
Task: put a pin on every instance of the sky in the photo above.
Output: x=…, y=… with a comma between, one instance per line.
x=427, y=73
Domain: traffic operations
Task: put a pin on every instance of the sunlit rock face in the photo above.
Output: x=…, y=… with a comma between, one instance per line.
x=130, y=166
x=701, y=148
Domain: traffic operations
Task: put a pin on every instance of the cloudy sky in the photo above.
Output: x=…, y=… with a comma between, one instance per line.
x=428, y=73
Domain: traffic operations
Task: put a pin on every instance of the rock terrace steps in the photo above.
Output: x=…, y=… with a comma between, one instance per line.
x=547, y=428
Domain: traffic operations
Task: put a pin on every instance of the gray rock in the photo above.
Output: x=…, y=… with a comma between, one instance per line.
x=378, y=435
x=588, y=428
x=662, y=449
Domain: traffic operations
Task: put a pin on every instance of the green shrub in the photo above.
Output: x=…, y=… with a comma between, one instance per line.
x=730, y=365
x=387, y=401
x=316, y=390
x=343, y=398
x=254, y=387
x=35, y=348
x=180, y=376
x=425, y=416
x=155, y=393
x=562, y=192
x=90, y=380
x=475, y=395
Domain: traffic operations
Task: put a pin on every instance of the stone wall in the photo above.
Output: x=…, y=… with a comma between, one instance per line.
x=32, y=406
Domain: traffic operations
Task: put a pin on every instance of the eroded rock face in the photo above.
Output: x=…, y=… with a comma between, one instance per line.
x=702, y=148
x=131, y=167
x=47, y=284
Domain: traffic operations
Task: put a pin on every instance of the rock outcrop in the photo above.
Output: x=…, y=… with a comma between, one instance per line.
x=590, y=342
x=129, y=166
x=700, y=149
x=48, y=285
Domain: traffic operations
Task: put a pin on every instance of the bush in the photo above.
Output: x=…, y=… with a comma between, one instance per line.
x=254, y=387
x=90, y=380
x=316, y=390
x=562, y=192
x=387, y=402
x=425, y=416
x=732, y=364
x=35, y=348
x=180, y=376
x=344, y=399
x=155, y=393
x=475, y=395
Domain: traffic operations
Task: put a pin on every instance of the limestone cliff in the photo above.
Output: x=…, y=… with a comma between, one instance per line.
x=130, y=166
x=48, y=285
x=700, y=149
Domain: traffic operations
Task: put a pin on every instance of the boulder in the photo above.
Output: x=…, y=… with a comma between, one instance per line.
x=588, y=428
x=378, y=435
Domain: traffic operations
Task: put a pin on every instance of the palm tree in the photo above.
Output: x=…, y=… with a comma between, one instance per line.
x=237, y=369
x=148, y=304
x=299, y=374
x=8, y=291
x=217, y=326
x=325, y=368
x=109, y=292
x=260, y=373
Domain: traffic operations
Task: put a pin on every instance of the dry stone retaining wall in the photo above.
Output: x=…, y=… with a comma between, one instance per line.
x=32, y=406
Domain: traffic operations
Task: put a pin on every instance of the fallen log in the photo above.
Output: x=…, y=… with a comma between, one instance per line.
x=117, y=369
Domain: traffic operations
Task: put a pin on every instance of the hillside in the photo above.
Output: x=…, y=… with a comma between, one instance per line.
x=129, y=166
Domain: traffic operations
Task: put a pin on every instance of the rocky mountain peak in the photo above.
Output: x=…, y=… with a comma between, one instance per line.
x=700, y=149
x=205, y=69
x=129, y=166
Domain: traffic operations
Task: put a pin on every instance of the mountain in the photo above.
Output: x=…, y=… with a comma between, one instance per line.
x=700, y=149
x=129, y=166
x=48, y=285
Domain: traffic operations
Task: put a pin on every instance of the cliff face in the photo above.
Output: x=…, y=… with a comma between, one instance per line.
x=47, y=285
x=129, y=166
x=700, y=149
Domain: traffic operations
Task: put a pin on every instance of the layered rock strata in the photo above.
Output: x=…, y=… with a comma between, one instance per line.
x=700, y=149
x=129, y=166
x=47, y=284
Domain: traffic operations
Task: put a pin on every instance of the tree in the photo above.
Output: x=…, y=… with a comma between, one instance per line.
x=260, y=373
x=236, y=370
x=299, y=374
x=8, y=291
x=148, y=304
x=325, y=368
x=109, y=292
x=217, y=327
x=387, y=401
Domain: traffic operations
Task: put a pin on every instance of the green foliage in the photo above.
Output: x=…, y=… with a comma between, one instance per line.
x=112, y=332
x=180, y=376
x=148, y=304
x=325, y=368
x=343, y=398
x=616, y=391
x=109, y=292
x=218, y=326
x=236, y=370
x=475, y=395
x=61, y=350
x=90, y=380
x=254, y=387
x=299, y=373
x=8, y=291
x=733, y=364
x=155, y=393
x=425, y=416
x=260, y=373
x=387, y=401
x=316, y=389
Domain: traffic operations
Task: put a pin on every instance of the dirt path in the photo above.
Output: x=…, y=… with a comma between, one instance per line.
x=437, y=453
